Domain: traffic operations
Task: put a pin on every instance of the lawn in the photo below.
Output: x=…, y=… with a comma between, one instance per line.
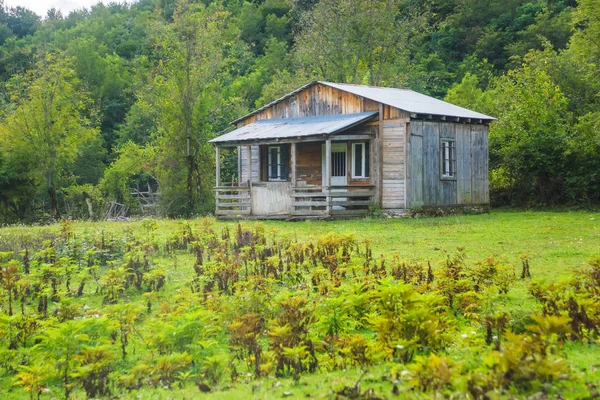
x=200, y=307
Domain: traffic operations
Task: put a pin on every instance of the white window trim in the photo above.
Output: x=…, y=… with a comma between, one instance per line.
x=278, y=164
x=363, y=166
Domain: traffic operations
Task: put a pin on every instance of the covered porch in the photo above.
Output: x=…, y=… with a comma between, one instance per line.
x=298, y=168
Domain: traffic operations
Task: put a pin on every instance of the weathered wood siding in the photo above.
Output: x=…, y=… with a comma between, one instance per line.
x=243, y=164
x=271, y=198
x=308, y=164
x=471, y=186
x=394, y=163
x=320, y=99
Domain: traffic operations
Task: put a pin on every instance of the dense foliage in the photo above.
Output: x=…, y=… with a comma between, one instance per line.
x=112, y=314
x=156, y=80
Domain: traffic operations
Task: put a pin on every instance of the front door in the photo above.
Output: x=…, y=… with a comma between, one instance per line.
x=339, y=163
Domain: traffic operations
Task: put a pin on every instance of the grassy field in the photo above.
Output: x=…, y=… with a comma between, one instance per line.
x=556, y=244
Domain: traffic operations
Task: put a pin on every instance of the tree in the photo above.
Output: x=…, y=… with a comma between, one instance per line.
x=50, y=120
x=123, y=318
x=467, y=93
x=63, y=343
x=187, y=95
x=528, y=142
x=9, y=278
x=359, y=41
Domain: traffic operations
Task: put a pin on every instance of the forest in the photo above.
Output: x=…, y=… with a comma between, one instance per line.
x=102, y=102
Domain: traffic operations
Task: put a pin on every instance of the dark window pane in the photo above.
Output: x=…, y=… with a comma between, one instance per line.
x=273, y=165
x=358, y=159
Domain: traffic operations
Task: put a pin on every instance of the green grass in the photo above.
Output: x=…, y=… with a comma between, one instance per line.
x=557, y=243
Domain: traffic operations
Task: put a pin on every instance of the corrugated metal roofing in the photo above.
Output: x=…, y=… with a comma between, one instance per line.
x=294, y=127
x=408, y=100
x=404, y=99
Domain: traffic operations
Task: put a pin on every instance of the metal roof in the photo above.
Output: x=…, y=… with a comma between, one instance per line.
x=404, y=99
x=294, y=127
x=408, y=100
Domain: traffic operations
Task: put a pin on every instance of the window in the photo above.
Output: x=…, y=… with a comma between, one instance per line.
x=361, y=160
x=448, y=159
x=277, y=163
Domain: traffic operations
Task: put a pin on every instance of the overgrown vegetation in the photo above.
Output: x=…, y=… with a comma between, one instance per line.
x=213, y=307
x=121, y=97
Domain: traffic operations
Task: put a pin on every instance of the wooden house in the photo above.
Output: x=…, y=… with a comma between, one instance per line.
x=332, y=150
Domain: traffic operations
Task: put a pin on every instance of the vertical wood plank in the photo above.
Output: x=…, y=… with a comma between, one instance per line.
x=293, y=156
x=249, y=164
x=431, y=163
x=416, y=164
x=463, y=164
x=328, y=172
x=479, y=174
x=373, y=165
x=406, y=164
x=239, y=164
x=217, y=166
x=380, y=157
x=486, y=170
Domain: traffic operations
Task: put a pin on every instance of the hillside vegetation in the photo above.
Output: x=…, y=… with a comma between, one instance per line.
x=117, y=97
x=503, y=305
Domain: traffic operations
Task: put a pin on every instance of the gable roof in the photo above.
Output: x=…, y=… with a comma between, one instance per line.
x=404, y=99
x=294, y=127
x=408, y=100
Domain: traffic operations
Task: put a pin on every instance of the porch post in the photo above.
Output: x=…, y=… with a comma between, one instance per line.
x=293, y=154
x=218, y=166
x=249, y=162
x=328, y=173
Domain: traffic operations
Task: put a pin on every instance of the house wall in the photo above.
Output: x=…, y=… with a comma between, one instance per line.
x=409, y=151
x=471, y=185
x=309, y=163
x=319, y=99
x=393, y=148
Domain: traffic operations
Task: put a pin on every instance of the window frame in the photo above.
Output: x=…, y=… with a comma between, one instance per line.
x=364, y=155
x=450, y=161
x=282, y=170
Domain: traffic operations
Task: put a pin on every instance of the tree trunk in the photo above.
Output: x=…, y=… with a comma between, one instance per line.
x=53, y=201
x=190, y=184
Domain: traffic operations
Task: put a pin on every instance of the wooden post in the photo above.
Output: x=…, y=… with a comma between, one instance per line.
x=249, y=150
x=407, y=166
x=293, y=156
x=328, y=173
x=218, y=166
x=249, y=164
x=379, y=158
x=239, y=165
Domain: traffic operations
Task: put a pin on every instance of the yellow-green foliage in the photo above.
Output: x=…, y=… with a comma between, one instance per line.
x=113, y=313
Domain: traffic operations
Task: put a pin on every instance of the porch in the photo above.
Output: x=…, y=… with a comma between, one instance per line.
x=309, y=176
x=260, y=201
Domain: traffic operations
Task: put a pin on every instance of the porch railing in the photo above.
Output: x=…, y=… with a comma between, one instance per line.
x=233, y=200
x=309, y=201
x=351, y=199
x=318, y=201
